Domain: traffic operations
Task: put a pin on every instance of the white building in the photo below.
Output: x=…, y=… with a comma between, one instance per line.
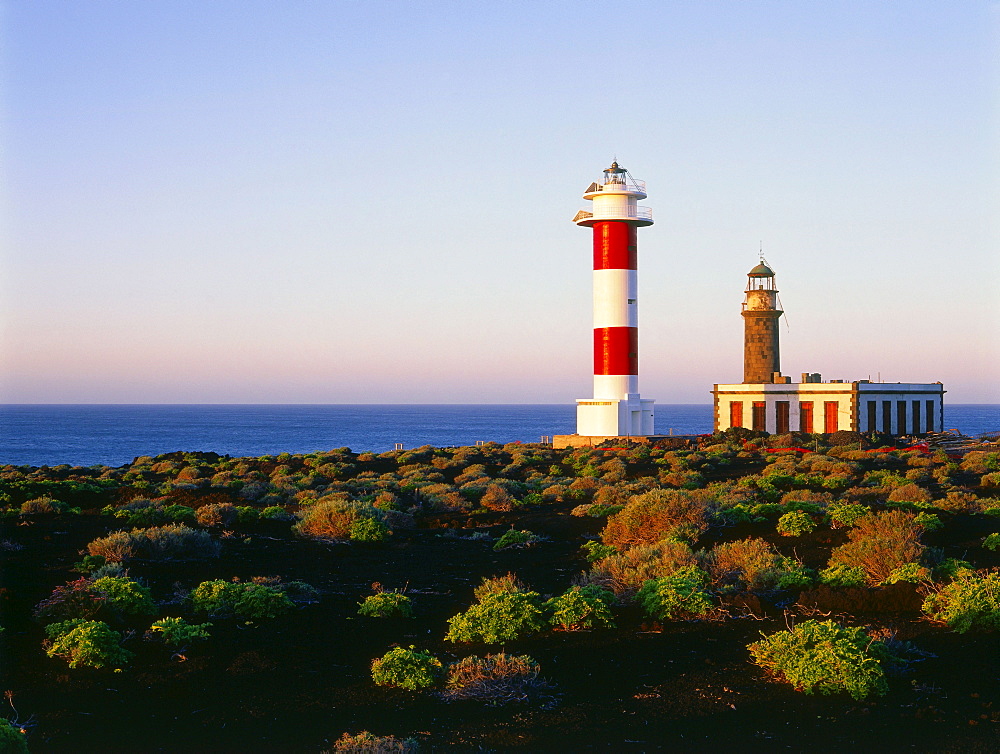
x=772, y=403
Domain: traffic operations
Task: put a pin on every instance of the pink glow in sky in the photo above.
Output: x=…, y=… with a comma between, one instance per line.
x=371, y=202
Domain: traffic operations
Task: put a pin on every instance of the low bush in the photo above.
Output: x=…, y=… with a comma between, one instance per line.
x=76, y=599
x=247, y=601
x=594, y=550
x=86, y=643
x=497, y=617
x=970, y=601
x=795, y=524
x=880, y=543
x=125, y=596
x=515, y=538
x=42, y=505
x=992, y=542
x=680, y=595
x=368, y=743
x=496, y=498
x=386, y=605
x=929, y=521
x=178, y=632
x=912, y=573
x=496, y=679
x=369, y=530
x=580, y=607
x=843, y=515
x=842, y=575
x=406, y=669
x=12, y=738
x=333, y=517
x=750, y=564
x=659, y=514
x=625, y=573
x=217, y=514
x=824, y=657
x=168, y=542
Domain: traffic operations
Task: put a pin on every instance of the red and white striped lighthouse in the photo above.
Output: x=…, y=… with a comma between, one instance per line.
x=616, y=409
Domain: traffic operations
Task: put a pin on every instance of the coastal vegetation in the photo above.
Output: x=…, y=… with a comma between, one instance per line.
x=683, y=584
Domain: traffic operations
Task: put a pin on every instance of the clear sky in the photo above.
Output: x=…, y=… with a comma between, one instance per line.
x=367, y=202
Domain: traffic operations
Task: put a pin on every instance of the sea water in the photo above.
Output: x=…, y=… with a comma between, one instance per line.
x=84, y=435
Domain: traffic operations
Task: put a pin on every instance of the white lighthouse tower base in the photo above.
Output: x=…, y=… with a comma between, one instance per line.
x=631, y=417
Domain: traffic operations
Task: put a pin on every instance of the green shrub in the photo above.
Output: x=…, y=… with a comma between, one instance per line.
x=825, y=657
x=386, y=605
x=970, y=601
x=682, y=594
x=368, y=743
x=496, y=679
x=89, y=563
x=276, y=513
x=843, y=515
x=240, y=600
x=514, y=538
x=333, y=517
x=177, y=631
x=930, y=521
x=948, y=568
x=126, y=596
x=581, y=607
x=497, y=617
x=992, y=542
x=795, y=524
x=12, y=738
x=842, y=575
x=406, y=669
x=912, y=573
x=86, y=643
x=594, y=550
x=369, y=530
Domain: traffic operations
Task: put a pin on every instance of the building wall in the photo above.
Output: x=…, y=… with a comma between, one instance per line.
x=850, y=405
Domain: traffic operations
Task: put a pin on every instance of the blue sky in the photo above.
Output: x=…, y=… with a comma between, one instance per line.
x=370, y=202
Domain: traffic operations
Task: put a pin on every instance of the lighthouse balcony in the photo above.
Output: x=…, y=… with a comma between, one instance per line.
x=640, y=216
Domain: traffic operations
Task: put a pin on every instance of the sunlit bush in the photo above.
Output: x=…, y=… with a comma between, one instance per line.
x=407, y=669
x=824, y=657
x=86, y=643
x=580, y=607
x=656, y=515
x=880, y=543
x=971, y=601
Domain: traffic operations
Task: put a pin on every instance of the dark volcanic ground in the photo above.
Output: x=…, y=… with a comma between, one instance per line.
x=296, y=683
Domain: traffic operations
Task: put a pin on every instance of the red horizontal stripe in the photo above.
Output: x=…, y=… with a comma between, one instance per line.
x=616, y=350
x=614, y=246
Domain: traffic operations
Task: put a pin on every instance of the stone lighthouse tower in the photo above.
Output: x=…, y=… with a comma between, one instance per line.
x=761, y=362
x=616, y=410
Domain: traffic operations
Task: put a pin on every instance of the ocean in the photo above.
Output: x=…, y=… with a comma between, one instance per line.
x=112, y=435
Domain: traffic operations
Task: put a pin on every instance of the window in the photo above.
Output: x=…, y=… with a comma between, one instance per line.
x=872, y=415
x=830, y=409
x=887, y=417
x=736, y=414
x=806, y=416
x=929, y=419
x=916, y=417
x=900, y=417
x=759, y=415
x=781, y=417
